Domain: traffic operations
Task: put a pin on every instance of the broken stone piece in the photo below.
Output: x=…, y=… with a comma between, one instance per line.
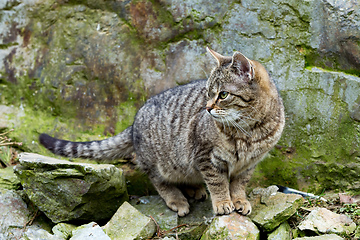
x=128, y=224
x=273, y=209
x=322, y=220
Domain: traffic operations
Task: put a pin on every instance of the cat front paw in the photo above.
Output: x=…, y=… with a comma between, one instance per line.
x=242, y=206
x=223, y=207
x=182, y=207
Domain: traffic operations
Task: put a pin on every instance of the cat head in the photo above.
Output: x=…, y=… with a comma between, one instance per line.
x=236, y=88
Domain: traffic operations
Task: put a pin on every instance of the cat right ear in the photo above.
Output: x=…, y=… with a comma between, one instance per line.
x=242, y=66
x=219, y=58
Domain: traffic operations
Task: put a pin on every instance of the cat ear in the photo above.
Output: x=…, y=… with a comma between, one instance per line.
x=242, y=66
x=219, y=58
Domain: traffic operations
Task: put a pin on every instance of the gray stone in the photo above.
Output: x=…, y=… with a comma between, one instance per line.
x=65, y=191
x=128, y=224
x=233, y=226
x=14, y=215
x=35, y=233
x=8, y=179
x=155, y=206
x=89, y=231
x=283, y=232
x=322, y=237
x=268, y=213
x=322, y=220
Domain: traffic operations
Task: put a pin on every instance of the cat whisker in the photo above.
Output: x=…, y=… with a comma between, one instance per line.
x=236, y=125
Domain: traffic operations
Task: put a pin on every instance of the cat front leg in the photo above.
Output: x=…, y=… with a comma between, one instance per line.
x=237, y=191
x=218, y=185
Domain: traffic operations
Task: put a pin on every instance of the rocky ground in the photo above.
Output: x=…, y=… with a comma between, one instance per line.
x=47, y=198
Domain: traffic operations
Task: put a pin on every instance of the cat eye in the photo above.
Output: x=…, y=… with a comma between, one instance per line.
x=223, y=95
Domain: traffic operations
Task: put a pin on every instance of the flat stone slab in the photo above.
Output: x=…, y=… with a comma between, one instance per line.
x=65, y=190
x=322, y=220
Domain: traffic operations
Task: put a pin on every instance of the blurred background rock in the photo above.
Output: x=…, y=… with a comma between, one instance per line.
x=81, y=69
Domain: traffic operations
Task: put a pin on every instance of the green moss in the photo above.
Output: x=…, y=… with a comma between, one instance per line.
x=316, y=152
x=327, y=61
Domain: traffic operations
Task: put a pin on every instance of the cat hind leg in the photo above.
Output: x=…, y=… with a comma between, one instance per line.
x=172, y=196
x=198, y=192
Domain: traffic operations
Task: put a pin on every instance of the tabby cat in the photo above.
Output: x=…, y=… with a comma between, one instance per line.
x=213, y=131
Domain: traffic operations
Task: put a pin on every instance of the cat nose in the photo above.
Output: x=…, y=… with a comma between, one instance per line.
x=209, y=109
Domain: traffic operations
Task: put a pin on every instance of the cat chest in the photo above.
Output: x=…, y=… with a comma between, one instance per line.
x=240, y=157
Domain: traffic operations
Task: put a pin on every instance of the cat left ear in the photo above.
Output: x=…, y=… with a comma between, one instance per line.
x=219, y=58
x=242, y=66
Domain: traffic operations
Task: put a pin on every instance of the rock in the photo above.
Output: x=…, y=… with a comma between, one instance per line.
x=268, y=213
x=8, y=179
x=195, y=222
x=34, y=233
x=233, y=226
x=322, y=220
x=322, y=237
x=89, y=231
x=128, y=224
x=283, y=232
x=63, y=230
x=65, y=191
x=14, y=215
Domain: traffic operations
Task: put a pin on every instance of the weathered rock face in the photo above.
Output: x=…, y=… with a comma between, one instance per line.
x=90, y=65
x=67, y=191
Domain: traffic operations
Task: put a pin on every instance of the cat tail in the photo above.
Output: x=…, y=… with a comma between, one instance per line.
x=116, y=147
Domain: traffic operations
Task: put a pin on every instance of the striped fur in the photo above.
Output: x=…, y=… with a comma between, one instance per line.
x=213, y=131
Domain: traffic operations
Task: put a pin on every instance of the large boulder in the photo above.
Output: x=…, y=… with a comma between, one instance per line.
x=65, y=190
x=90, y=65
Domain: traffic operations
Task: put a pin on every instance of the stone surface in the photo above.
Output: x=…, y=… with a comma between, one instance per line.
x=90, y=65
x=322, y=237
x=283, y=232
x=322, y=220
x=233, y=226
x=268, y=213
x=8, y=179
x=193, y=224
x=128, y=224
x=14, y=214
x=65, y=191
x=89, y=231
